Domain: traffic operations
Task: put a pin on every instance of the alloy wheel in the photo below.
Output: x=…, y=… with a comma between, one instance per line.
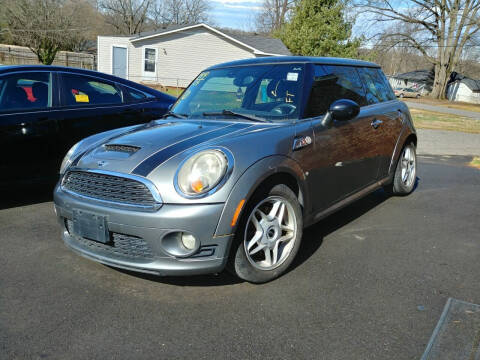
x=270, y=233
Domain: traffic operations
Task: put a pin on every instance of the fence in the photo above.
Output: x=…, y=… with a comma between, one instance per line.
x=19, y=55
x=169, y=85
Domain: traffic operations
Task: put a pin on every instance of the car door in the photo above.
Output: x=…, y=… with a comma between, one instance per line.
x=91, y=105
x=387, y=115
x=342, y=159
x=28, y=127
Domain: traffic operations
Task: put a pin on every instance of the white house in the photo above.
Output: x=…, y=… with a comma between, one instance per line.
x=174, y=55
x=464, y=89
x=420, y=80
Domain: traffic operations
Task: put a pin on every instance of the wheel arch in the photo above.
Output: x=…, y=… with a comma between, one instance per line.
x=265, y=173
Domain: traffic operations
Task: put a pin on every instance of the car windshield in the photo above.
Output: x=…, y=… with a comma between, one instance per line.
x=259, y=92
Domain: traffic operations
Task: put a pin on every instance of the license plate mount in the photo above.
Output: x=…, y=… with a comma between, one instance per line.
x=90, y=226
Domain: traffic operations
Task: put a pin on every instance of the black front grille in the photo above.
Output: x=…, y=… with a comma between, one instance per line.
x=122, y=148
x=121, y=246
x=109, y=188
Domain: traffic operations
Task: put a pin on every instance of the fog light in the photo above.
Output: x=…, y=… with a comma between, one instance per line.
x=189, y=241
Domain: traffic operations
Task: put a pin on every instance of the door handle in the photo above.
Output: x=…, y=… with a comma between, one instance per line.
x=376, y=123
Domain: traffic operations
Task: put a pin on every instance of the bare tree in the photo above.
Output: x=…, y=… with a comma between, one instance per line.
x=439, y=29
x=166, y=12
x=45, y=26
x=127, y=17
x=274, y=15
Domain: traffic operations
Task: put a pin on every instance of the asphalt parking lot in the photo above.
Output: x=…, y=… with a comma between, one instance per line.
x=370, y=282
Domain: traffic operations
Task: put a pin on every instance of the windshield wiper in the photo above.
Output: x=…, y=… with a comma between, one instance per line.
x=178, y=116
x=233, y=113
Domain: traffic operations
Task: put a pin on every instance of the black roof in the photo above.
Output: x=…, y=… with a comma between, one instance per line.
x=425, y=76
x=5, y=69
x=472, y=84
x=296, y=59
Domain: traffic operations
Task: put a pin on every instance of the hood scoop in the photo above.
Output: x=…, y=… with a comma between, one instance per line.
x=129, y=149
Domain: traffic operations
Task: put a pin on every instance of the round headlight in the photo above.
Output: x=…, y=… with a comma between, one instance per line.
x=202, y=172
x=67, y=160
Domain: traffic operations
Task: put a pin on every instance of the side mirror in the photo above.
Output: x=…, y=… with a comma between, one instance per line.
x=341, y=110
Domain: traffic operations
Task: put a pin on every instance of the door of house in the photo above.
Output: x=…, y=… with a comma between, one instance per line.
x=119, y=61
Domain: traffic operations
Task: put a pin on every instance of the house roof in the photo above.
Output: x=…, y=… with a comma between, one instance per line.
x=472, y=84
x=425, y=76
x=261, y=45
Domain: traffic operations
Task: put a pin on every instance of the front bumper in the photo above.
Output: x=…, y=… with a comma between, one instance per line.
x=136, y=237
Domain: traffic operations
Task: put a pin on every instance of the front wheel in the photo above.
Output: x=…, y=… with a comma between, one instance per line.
x=268, y=236
x=405, y=173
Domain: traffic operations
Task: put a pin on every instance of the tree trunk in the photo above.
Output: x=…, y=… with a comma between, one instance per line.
x=440, y=82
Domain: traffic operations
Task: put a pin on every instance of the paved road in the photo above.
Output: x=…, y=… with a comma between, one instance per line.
x=437, y=142
x=443, y=109
x=370, y=283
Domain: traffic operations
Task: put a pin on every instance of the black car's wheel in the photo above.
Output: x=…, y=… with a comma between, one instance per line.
x=405, y=173
x=268, y=235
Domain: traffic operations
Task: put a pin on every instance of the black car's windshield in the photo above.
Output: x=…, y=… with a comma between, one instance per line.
x=268, y=92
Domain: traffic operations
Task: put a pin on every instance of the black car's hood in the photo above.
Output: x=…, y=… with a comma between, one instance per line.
x=144, y=148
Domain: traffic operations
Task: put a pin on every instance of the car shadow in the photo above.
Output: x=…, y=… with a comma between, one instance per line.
x=18, y=195
x=313, y=236
x=311, y=241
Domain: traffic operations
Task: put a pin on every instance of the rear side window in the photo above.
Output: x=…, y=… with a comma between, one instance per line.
x=377, y=86
x=83, y=90
x=136, y=95
x=332, y=83
x=26, y=91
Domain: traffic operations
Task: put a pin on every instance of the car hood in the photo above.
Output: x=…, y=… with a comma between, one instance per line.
x=140, y=150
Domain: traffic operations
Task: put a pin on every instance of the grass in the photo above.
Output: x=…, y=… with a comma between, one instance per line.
x=475, y=162
x=439, y=121
x=447, y=104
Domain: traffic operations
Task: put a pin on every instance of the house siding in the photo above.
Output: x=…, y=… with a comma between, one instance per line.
x=180, y=56
x=457, y=91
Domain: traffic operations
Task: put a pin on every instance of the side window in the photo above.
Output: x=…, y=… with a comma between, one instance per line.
x=26, y=91
x=332, y=83
x=136, y=95
x=149, y=60
x=83, y=90
x=378, y=89
x=388, y=88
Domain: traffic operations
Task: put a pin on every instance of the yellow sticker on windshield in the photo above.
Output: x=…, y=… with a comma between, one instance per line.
x=82, y=98
x=201, y=77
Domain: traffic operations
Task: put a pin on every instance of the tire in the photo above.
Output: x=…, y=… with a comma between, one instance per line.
x=405, y=176
x=418, y=96
x=401, y=95
x=261, y=229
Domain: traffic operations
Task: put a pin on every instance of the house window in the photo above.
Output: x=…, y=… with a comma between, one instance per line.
x=149, y=62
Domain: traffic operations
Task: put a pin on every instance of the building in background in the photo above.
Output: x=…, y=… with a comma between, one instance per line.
x=174, y=55
x=462, y=88
x=419, y=80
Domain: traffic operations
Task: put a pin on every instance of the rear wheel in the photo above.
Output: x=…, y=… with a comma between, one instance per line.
x=401, y=95
x=405, y=173
x=268, y=236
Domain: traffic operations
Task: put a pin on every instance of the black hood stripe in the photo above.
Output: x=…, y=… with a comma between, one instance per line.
x=149, y=164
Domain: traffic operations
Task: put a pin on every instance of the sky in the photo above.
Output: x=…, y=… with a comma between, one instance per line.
x=238, y=14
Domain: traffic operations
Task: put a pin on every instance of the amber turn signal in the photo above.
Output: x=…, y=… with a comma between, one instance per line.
x=237, y=212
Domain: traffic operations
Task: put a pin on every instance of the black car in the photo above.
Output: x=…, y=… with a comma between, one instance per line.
x=44, y=110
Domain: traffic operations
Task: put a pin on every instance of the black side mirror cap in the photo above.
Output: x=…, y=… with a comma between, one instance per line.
x=341, y=110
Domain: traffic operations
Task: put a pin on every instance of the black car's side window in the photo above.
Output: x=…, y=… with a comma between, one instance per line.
x=377, y=86
x=26, y=91
x=332, y=83
x=83, y=90
x=136, y=95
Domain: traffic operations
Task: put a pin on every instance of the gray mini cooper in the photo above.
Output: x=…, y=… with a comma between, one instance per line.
x=251, y=153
